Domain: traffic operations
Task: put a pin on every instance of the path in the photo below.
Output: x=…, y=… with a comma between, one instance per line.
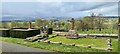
x=9, y=47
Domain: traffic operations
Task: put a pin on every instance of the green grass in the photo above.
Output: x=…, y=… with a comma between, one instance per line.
x=51, y=47
x=51, y=35
x=96, y=31
x=99, y=43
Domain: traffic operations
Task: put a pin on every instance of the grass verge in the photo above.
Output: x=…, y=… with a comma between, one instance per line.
x=51, y=47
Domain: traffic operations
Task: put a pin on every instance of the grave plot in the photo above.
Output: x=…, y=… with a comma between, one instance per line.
x=97, y=43
x=34, y=38
x=40, y=37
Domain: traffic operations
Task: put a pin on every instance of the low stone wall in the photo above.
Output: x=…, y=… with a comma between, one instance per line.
x=61, y=30
x=50, y=42
x=99, y=35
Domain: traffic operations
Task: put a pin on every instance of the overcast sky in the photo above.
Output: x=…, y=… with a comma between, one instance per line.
x=59, y=8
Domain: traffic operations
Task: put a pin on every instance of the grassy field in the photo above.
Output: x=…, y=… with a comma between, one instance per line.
x=96, y=31
x=99, y=42
x=51, y=47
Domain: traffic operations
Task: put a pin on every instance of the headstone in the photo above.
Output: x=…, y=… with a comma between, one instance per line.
x=47, y=30
x=43, y=32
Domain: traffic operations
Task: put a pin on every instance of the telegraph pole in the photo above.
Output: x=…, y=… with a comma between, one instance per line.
x=119, y=28
x=119, y=21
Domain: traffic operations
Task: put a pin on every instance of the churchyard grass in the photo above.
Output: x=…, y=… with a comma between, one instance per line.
x=51, y=47
x=51, y=35
x=98, y=42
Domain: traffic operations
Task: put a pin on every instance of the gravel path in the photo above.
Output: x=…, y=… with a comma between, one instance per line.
x=9, y=47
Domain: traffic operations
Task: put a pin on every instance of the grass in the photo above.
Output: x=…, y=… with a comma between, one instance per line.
x=100, y=43
x=51, y=35
x=96, y=31
x=51, y=47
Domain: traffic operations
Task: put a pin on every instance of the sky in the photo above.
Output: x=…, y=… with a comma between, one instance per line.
x=59, y=8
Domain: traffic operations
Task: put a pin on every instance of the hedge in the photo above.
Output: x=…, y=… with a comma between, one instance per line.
x=49, y=30
x=5, y=33
x=23, y=33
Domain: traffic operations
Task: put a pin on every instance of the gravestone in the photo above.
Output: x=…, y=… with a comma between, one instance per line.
x=72, y=32
x=44, y=32
x=48, y=30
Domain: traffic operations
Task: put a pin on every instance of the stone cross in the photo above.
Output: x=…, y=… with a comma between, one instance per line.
x=72, y=22
x=30, y=25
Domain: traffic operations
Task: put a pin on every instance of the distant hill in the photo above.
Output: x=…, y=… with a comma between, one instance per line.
x=111, y=16
x=4, y=19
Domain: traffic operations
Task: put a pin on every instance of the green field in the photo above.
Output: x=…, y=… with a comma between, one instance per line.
x=51, y=47
x=98, y=43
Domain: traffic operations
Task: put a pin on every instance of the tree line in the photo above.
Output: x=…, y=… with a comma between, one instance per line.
x=85, y=23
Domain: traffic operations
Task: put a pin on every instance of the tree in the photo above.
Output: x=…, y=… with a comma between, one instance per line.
x=38, y=22
x=25, y=24
x=5, y=25
x=1, y=24
x=67, y=26
x=92, y=19
x=13, y=24
x=19, y=25
x=100, y=22
x=45, y=22
x=87, y=22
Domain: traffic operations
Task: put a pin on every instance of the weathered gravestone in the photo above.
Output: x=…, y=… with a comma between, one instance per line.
x=47, y=30
x=44, y=32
